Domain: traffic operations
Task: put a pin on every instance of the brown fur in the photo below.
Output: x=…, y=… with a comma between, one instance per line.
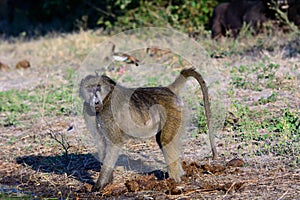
x=150, y=111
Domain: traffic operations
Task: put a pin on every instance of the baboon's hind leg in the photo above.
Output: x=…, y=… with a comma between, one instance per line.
x=168, y=141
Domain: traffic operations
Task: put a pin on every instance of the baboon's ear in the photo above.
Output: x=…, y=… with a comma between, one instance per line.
x=90, y=81
x=85, y=80
x=87, y=86
x=108, y=81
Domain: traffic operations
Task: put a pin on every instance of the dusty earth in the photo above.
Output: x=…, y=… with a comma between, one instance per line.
x=33, y=164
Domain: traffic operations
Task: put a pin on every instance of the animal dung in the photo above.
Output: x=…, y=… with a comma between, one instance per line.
x=4, y=67
x=236, y=162
x=23, y=64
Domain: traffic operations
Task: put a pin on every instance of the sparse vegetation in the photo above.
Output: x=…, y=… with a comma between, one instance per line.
x=16, y=104
x=261, y=127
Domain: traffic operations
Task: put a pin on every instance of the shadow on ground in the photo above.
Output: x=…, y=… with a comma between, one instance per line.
x=79, y=165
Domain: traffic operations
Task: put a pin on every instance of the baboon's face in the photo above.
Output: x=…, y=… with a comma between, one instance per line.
x=94, y=89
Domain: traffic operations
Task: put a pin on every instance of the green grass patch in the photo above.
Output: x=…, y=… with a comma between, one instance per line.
x=41, y=101
x=254, y=77
x=270, y=99
x=278, y=136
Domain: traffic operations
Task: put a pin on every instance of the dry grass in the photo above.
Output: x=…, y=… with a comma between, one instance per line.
x=33, y=163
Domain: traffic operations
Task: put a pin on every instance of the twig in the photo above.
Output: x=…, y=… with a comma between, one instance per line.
x=233, y=184
x=49, y=181
x=283, y=194
x=195, y=191
x=62, y=140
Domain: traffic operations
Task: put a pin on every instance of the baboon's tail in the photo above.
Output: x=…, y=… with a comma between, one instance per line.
x=179, y=83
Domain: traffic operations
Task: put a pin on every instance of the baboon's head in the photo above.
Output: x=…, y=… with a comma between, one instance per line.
x=94, y=88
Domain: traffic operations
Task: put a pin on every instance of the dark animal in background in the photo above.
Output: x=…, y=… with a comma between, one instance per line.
x=294, y=12
x=234, y=15
x=263, y=11
x=260, y=12
x=218, y=24
x=228, y=18
x=256, y=15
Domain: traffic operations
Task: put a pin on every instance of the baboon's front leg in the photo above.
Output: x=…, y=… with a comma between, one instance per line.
x=90, y=121
x=110, y=159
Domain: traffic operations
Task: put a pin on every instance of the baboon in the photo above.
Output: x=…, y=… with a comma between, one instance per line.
x=119, y=113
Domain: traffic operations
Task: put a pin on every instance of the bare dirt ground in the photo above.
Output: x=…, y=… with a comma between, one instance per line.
x=258, y=144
